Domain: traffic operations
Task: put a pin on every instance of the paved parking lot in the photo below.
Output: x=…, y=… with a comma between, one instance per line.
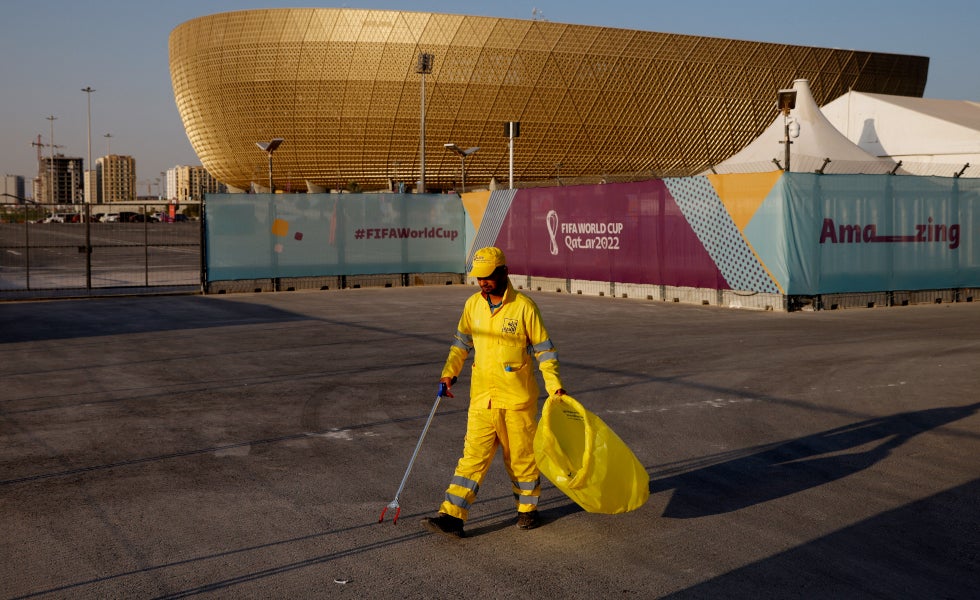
x=243, y=446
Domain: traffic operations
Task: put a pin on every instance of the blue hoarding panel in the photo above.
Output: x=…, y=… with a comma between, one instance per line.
x=306, y=235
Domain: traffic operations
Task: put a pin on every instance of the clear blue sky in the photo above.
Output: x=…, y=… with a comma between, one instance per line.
x=52, y=49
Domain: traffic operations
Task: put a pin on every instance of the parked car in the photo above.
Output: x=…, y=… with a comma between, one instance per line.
x=63, y=218
x=135, y=217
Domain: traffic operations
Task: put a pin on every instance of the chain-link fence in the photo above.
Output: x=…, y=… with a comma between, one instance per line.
x=64, y=250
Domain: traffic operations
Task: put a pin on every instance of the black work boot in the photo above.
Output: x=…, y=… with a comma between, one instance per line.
x=445, y=524
x=528, y=520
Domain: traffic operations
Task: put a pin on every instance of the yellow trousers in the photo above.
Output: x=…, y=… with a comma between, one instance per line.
x=486, y=430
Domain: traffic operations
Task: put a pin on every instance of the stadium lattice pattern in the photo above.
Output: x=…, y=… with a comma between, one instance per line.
x=340, y=86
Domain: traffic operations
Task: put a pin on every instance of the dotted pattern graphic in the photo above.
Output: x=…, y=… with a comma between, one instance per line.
x=711, y=222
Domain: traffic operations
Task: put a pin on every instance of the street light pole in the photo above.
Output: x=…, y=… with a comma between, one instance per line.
x=88, y=93
x=52, y=119
x=462, y=158
x=423, y=67
x=512, y=129
x=785, y=102
x=270, y=147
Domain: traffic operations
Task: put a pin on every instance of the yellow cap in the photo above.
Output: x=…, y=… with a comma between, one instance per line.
x=486, y=260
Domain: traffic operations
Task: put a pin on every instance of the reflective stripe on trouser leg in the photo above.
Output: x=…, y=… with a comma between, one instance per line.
x=517, y=429
x=478, y=449
x=526, y=494
x=460, y=495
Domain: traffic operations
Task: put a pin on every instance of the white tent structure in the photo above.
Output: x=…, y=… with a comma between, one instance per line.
x=929, y=136
x=819, y=147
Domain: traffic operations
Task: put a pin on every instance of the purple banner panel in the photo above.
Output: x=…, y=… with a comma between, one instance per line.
x=625, y=232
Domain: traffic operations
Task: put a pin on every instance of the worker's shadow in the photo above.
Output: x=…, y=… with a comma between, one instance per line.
x=789, y=467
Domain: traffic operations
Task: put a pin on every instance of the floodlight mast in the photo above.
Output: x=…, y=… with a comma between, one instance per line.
x=423, y=67
x=270, y=147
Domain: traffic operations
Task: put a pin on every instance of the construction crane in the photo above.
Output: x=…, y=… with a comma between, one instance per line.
x=39, y=145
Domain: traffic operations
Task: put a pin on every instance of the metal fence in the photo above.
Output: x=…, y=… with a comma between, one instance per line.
x=54, y=251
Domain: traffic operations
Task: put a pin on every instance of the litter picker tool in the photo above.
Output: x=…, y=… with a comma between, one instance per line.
x=394, y=503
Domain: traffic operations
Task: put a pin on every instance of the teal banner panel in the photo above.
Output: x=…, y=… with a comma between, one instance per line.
x=865, y=233
x=254, y=236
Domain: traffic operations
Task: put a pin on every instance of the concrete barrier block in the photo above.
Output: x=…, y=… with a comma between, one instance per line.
x=309, y=283
x=380, y=280
x=855, y=300
x=241, y=286
x=548, y=284
x=585, y=287
x=437, y=279
x=968, y=294
x=640, y=291
x=691, y=295
x=932, y=296
x=753, y=301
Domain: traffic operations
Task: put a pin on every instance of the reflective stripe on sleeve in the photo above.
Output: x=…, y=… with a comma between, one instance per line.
x=543, y=346
x=545, y=351
x=463, y=341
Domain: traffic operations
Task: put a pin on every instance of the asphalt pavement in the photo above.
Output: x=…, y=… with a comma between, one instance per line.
x=243, y=446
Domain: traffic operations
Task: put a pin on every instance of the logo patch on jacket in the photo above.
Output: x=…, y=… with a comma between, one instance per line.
x=510, y=326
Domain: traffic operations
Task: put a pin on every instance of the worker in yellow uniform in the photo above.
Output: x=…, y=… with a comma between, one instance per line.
x=503, y=330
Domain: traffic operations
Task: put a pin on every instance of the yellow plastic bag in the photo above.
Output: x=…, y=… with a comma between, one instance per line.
x=586, y=460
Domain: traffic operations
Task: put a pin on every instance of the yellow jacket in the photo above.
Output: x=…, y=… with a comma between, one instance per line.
x=502, y=343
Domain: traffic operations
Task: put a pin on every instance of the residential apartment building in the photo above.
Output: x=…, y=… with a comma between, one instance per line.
x=59, y=180
x=91, y=186
x=116, y=178
x=190, y=184
x=13, y=189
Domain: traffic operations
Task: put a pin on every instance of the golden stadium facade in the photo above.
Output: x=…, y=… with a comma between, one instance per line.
x=341, y=87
